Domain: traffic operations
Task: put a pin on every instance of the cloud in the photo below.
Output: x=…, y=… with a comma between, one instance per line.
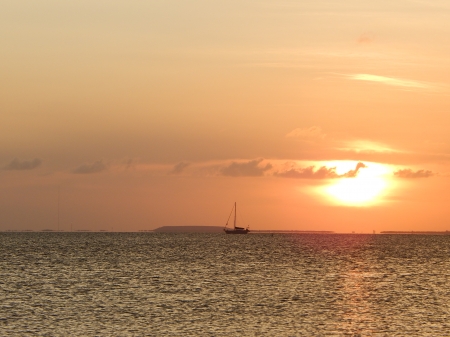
x=308, y=134
x=354, y=173
x=364, y=146
x=309, y=173
x=410, y=174
x=179, y=168
x=322, y=173
x=17, y=165
x=246, y=169
x=129, y=163
x=397, y=82
x=95, y=167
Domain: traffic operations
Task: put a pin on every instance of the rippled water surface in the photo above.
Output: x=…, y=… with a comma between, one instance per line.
x=148, y=284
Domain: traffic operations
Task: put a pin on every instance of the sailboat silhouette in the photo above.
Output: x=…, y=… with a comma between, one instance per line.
x=235, y=229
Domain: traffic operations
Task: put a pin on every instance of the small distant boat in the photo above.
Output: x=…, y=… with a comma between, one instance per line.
x=235, y=229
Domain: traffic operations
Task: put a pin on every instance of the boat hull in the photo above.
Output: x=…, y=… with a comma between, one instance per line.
x=236, y=231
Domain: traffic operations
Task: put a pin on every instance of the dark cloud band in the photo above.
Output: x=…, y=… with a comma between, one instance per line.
x=17, y=165
x=95, y=167
x=321, y=173
x=246, y=169
x=410, y=174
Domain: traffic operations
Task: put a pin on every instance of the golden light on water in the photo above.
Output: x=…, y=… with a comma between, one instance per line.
x=365, y=189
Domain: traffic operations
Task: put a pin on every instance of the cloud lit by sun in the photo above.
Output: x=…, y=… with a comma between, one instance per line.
x=397, y=82
x=365, y=146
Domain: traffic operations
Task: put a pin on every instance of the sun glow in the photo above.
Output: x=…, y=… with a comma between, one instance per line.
x=363, y=190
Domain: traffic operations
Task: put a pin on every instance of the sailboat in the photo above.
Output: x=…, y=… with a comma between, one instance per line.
x=235, y=229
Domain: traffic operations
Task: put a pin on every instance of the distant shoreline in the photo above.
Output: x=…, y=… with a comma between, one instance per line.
x=417, y=232
x=217, y=229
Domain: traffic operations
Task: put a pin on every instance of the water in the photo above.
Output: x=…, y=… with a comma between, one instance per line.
x=146, y=284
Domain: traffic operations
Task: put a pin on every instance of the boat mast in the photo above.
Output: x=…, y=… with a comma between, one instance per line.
x=59, y=187
x=235, y=211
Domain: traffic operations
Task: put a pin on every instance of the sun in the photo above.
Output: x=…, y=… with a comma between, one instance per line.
x=363, y=190
x=357, y=191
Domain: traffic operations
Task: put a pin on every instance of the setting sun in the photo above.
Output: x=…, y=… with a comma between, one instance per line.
x=364, y=189
x=357, y=191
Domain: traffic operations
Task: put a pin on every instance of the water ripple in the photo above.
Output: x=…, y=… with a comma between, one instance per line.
x=148, y=284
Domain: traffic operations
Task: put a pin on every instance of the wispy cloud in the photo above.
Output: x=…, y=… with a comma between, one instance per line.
x=410, y=174
x=322, y=173
x=392, y=81
x=94, y=167
x=179, y=168
x=129, y=163
x=17, y=165
x=246, y=169
x=362, y=145
x=309, y=134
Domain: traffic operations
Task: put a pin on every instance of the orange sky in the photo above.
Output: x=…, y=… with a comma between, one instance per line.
x=157, y=113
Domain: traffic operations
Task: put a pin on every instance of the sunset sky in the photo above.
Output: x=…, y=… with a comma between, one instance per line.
x=311, y=115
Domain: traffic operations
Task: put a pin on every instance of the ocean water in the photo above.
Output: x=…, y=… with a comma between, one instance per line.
x=148, y=284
